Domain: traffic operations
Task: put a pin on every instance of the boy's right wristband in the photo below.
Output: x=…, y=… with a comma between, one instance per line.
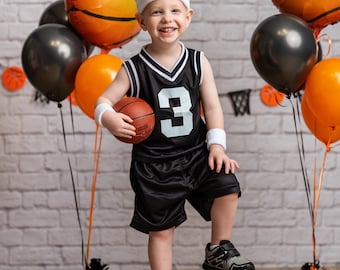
x=100, y=110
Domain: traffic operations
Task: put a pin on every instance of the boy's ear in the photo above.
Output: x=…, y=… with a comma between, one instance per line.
x=190, y=14
x=140, y=21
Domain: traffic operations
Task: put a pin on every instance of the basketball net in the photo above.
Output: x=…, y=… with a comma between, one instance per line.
x=240, y=101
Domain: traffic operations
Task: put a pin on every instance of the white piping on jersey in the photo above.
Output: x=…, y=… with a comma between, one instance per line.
x=195, y=64
x=201, y=64
x=184, y=53
x=134, y=79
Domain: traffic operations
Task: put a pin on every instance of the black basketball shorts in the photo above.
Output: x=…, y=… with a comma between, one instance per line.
x=161, y=189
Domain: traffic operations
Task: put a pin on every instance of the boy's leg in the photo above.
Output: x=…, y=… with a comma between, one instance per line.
x=221, y=253
x=223, y=214
x=160, y=249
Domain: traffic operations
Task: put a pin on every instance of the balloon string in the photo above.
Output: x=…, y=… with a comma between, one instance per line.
x=73, y=184
x=71, y=112
x=314, y=221
x=329, y=47
x=104, y=51
x=328, y=144
x=312, y=207
x=96, y=152
x=316, y=32
x=317, y=192
x=301, y=152
x=317, y=198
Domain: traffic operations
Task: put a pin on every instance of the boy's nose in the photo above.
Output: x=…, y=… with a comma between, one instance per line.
x=167, y=16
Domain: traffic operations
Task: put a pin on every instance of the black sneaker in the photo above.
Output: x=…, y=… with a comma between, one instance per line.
x=225, y=257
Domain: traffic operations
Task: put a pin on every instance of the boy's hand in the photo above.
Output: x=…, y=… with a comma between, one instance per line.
x=119, y=124
x=218, y=158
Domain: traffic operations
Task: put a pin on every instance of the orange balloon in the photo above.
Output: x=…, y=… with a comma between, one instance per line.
x=322, y=91
x=323, y=133
x=107, y=24
x=317, y=13
x=93, y=76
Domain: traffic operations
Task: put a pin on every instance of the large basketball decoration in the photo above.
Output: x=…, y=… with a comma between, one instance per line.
x=107, y=24
x=317, y=13
x=56, y=13
x=142, y=115
x=93, y=76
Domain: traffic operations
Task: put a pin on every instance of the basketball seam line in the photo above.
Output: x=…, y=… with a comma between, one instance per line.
x=122, y=19
x=144, y=115
x=323, y=14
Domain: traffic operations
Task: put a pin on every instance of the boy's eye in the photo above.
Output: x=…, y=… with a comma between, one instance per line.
x=175, y=10
x=156, y=12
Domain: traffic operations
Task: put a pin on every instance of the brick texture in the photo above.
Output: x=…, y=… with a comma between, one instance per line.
x=39, y=227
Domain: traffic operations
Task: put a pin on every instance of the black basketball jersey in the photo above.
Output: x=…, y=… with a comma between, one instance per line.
x=175, y=98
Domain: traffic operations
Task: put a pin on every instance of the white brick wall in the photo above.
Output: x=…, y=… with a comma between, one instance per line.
x=38, y=222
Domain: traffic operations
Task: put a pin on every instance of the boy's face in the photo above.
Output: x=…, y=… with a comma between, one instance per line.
x=165, y=20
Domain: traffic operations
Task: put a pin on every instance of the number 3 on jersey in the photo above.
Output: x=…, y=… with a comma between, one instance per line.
x=183, y=111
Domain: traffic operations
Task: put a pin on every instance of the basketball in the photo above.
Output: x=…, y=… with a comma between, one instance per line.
x=318, y=14
x=13, y=78
x=107, y=24
x=142, y=115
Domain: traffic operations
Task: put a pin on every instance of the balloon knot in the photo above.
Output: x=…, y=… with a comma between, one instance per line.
x=59, y=105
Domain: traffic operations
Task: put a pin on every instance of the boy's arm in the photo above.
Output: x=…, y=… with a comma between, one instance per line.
x=117, y=123
x=210, y=99
x=213, y=113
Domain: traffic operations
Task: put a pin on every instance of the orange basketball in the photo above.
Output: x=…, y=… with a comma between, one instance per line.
x=270, y=96
x=13, y=78
x=141, y=113
x=107, y=24
x=317, y=13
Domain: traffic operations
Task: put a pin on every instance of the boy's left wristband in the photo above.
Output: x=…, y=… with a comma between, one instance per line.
x=217, y=136
x=100, y=110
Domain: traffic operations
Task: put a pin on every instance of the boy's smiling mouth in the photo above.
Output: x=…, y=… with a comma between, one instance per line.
x=167, y=29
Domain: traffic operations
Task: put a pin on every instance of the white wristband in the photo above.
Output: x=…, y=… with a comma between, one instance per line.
x=217, y=136
x=99, y=111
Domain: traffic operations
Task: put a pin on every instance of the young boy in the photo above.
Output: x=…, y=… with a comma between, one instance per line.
x=184, y=158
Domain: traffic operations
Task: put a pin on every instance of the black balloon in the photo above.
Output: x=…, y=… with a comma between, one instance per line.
x=55, y=13
x=320, y=52
x=51, y=56
x=284, y=50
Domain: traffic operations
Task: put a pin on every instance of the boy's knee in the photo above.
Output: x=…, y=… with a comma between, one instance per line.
x=164, y=234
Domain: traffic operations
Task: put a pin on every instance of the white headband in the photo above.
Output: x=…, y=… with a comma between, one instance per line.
x=141, y=4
